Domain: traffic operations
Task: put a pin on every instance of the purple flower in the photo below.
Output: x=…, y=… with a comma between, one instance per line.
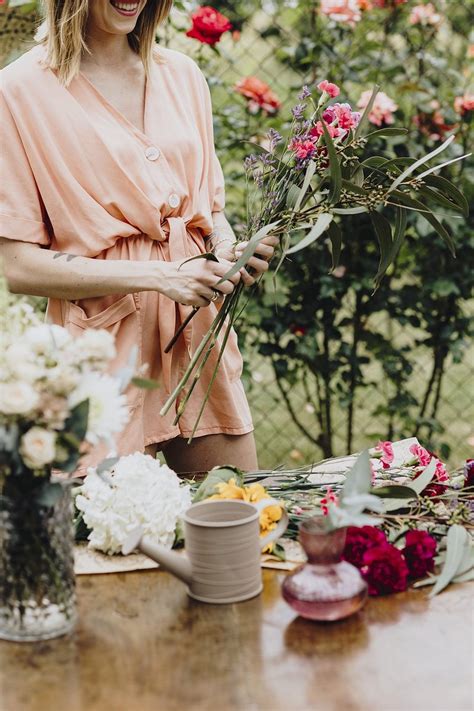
x=304, y=93
x=274, y=138
x=250, y=162
x=298, y=111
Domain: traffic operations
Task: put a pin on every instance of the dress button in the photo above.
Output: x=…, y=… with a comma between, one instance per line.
x=152, y=153
x=173, y=200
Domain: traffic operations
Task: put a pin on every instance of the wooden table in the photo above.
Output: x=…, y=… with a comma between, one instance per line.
x=142, y=645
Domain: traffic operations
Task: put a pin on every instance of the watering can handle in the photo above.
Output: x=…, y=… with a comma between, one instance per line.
x=282, y=523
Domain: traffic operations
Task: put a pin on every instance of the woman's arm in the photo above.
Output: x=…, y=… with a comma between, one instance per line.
x=29, y=269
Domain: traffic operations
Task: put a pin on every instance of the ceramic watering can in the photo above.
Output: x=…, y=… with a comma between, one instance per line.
x=223, y=548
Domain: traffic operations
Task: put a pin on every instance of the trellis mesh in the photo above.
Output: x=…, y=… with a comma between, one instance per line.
x=279, y=439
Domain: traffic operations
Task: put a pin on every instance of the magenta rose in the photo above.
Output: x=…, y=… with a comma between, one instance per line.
x=419, y=553
x=359, y=540
x=208, y=25
x=385, y=570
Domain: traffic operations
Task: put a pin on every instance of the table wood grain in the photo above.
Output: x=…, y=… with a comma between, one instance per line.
x=142, y=645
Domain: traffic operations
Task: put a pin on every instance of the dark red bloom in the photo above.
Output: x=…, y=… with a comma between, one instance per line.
x=359, y=540
x=469, y=472
x=298, y=330
x=385, y=570
x=419, y=553
x=208, y=25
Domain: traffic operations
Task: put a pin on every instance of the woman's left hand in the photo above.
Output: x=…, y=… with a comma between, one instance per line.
x=258, y=263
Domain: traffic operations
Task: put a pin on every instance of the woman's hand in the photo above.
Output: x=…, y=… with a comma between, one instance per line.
x=195, y=283
x=258, y=263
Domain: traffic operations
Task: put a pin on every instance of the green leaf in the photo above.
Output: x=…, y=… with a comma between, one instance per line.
x=334, y=167
x=76, y=423
x=406, y=173
x=349, y=210
x=421, y=482
x=440, y=199
x=145, y=383
x=387, y=132
x=395, y=491
x=310, y=171
x=292, y=196
x=428, y=215
x=374, y=161
x=399, y=231
x=335, y=237
x=365, y=116
x=321, y=224
x=383, y=230
x=106, y=464
x=443, y=165
x=209, y=256
x=456, y=542
x=217, y=476
x=445, y=186
x=359, y=478
x=248, y=251
x=354, y=188
x=49, y=494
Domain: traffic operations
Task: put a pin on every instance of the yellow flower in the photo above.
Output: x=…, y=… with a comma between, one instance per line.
x=229, y=490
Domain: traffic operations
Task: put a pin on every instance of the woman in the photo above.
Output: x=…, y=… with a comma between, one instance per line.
x=109, y=184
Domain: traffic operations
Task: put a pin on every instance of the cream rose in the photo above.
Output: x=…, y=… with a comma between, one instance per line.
x=17, y=398
x=38, y=447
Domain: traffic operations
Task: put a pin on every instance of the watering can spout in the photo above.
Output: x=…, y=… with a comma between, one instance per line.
x=173, y=562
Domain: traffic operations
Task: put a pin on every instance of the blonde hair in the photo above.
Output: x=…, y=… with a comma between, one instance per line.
x=63, y=33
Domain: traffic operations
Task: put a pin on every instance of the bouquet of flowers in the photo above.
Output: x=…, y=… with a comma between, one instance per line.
x=306, y=184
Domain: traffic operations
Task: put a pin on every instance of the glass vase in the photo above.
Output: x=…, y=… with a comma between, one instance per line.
x=37, y=584
x=326, y=588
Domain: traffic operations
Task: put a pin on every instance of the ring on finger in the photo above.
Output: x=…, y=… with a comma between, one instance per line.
x=215, y=295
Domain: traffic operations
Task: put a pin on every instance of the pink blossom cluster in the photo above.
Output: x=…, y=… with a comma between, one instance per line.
x=348, y=11
x=425, y=15
x=424, y=457
x=382, y=109
x=338, y=118
x=464, y=104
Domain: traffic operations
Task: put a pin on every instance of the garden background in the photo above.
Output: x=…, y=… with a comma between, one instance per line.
x=330, y=365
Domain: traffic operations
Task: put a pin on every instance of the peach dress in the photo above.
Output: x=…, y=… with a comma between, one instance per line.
x=77, y=177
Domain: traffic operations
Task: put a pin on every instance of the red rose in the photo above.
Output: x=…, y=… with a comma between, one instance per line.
x=385, y=570
x=419, y=553
x=359, y=541
x=259, y=95
x=208, y=25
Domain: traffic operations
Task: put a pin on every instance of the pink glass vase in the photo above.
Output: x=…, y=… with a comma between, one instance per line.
x=326, y=588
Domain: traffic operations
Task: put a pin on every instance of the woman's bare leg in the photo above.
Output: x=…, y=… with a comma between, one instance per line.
x=210, y=451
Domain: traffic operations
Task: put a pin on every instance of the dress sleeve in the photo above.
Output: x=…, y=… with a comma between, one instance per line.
x=22, y=212
x=216, y=177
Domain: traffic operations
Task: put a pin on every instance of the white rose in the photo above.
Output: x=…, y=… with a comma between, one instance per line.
x=108, y=411
x=96, y=345
x=38, y=447
x=45, y=338
x=19, y=360
x=17, y=398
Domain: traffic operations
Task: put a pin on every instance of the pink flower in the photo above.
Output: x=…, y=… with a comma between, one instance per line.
x=303, y=148
x=386, y=448
x=424, y=15
x=343, y=115
x=348, y=11
x=333, y=131
x=422, y=454
x=331, y=89
x=208, y=25
x=382, y=110
x=330, y=498
x=464, y=104
x=359, y=540
x=258, y=94
x=388, y=3
x=469, y=472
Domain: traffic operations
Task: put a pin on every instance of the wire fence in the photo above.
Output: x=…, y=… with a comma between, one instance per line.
x=279, y=438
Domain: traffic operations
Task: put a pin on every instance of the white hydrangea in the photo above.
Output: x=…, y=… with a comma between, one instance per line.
x=142, y=492
x=108, y=411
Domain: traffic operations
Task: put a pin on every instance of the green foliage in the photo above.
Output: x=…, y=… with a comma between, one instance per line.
x=329, y=331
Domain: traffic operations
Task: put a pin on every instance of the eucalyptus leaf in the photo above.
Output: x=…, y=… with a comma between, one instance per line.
x=310, y=171
x=349, y=210
x=335, y=240
x=456, y=541
x=209, y=256
x=395, y=491
x=145, y=383
x=383, y=231
x=217, y=476
x=354, y=188
x=106, y=464
x=421, y=482
x=334, y=167
x=359, y=478
x=49, y=494
x=248, y=251
x=321, y=224
x=440, y=199
x=443, y=165
x=406, y=173
x=365, y=115
x=388, y=131
x=445, y=186
x=428, y=215
x=292, y=196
